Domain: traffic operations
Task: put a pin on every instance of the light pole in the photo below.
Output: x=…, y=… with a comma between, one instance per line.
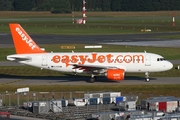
x=27, y=97
x=18, y=97
x=34, y=95
x=9, y=98
x=19, y=91
x=53, y=96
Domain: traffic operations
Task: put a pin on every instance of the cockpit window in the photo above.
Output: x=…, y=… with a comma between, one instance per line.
x=161, y=59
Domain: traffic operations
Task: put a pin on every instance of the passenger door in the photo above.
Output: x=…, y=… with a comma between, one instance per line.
x=148, y=60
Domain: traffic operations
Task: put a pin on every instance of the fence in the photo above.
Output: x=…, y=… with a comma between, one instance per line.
x=13, y=99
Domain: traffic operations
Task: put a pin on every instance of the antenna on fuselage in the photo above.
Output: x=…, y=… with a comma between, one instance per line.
x=144, y=51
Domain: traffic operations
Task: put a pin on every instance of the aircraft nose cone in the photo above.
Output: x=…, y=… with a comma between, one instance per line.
x=170, y=65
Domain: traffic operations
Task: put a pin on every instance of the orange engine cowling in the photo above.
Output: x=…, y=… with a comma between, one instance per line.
x=115, y=74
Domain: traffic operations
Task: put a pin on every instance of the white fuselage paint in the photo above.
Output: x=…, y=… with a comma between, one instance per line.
x=146, y=62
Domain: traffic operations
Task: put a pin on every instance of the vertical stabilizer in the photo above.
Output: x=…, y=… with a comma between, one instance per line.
x=23, y=43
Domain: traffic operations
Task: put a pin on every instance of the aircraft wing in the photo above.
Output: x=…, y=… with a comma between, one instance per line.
x=95, y=67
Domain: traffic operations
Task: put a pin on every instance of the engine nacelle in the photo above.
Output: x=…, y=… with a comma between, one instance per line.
x=115, y=74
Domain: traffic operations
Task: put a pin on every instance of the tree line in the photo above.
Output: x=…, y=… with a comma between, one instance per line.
x=66, y=6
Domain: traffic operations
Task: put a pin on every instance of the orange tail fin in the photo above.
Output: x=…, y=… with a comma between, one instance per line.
x=23, y=43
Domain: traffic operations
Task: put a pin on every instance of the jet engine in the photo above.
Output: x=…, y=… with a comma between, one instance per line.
x=115, y=74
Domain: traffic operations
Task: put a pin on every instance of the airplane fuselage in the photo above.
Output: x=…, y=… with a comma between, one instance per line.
x=113, y=65
x=63, y=62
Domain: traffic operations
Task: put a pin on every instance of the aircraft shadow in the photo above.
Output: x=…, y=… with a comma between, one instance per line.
x=72, y=78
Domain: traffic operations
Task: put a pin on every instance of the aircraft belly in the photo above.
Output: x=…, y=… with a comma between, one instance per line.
x=136, y=68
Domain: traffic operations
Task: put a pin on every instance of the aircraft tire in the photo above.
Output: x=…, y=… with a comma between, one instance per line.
x=92, y=80
x=147, y=80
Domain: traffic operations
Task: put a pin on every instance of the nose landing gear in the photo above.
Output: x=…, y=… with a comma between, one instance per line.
x=147, y=76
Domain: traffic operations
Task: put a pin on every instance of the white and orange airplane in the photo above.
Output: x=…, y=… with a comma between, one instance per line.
x=113, y=65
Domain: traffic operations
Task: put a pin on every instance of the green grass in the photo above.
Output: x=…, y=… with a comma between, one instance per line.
x=99, y=29
x=89, y=29
x=96, y=25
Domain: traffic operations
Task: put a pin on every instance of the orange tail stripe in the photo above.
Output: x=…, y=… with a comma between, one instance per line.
x=23, y=43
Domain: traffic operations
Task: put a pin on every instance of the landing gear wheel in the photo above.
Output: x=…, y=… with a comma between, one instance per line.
x=147, y=76
x=93, y=79
x=147, y=80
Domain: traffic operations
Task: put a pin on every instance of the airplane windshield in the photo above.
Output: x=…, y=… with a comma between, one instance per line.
x=161, y=59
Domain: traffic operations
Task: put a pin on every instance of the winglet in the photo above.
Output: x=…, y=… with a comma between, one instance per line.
x=23, y=43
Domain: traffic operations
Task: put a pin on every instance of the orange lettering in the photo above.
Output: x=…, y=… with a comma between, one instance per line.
x=119, y=59
x=74, y=59
x=109, y=56
x=82, y=59
x=56, y=59
x=93, y=58
x=65, y=59
x=101, y=58
x=127, y=59
x=138, y=57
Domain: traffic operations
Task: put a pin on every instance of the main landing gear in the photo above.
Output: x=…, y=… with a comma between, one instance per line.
x=147, y=76
x=93, y=78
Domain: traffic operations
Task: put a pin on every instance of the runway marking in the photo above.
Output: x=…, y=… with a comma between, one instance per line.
x=12, y=82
